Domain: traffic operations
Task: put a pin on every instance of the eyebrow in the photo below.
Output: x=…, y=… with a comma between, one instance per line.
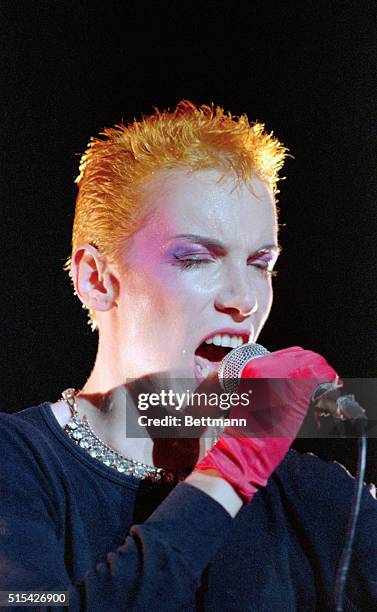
x=212, y=243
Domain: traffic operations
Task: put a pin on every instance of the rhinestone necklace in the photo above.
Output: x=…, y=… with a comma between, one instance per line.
x=82, y=434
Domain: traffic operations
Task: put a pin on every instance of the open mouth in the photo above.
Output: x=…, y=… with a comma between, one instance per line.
x=212, y=353
x=214, y=348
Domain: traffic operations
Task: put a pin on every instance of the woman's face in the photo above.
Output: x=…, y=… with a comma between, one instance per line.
x=198, y=269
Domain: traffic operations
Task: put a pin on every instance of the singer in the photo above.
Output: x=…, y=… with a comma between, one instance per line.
x=174, y=244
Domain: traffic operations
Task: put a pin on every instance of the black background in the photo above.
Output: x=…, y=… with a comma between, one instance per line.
x=306, y=69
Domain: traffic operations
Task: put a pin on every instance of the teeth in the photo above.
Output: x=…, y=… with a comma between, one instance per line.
x=225, y=340
x=204, y=371
x=234, y=342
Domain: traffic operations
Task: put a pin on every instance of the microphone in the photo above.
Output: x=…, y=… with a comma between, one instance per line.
x=326, y=399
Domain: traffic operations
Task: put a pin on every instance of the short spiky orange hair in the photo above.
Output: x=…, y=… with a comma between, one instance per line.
x=114, y=168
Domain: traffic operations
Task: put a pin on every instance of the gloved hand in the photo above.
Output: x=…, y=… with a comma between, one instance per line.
x=292, y=376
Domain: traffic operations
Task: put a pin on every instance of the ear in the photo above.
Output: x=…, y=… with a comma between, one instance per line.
x=95, y=284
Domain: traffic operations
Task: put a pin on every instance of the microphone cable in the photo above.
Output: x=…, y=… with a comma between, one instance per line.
x=327, y=401
x=345, y=557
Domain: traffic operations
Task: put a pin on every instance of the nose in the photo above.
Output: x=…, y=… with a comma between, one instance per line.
x=236, y=297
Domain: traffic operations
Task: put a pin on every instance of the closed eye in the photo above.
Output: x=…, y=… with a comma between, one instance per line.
x=191, y=262
x=265, y=262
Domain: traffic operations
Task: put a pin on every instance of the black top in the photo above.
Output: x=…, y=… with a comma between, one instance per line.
x=68, y=522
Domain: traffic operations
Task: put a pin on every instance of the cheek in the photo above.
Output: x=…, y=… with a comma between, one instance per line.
x=164, y=295
x=175, y=285
x=266, y=298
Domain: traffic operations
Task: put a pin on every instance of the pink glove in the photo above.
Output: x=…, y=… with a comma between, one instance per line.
x=247, y=463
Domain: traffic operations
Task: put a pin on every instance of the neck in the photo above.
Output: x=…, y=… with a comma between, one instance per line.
x=111, y=407
x=113, y=416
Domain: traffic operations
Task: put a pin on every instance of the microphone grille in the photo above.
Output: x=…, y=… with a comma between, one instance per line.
x=234, y=362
